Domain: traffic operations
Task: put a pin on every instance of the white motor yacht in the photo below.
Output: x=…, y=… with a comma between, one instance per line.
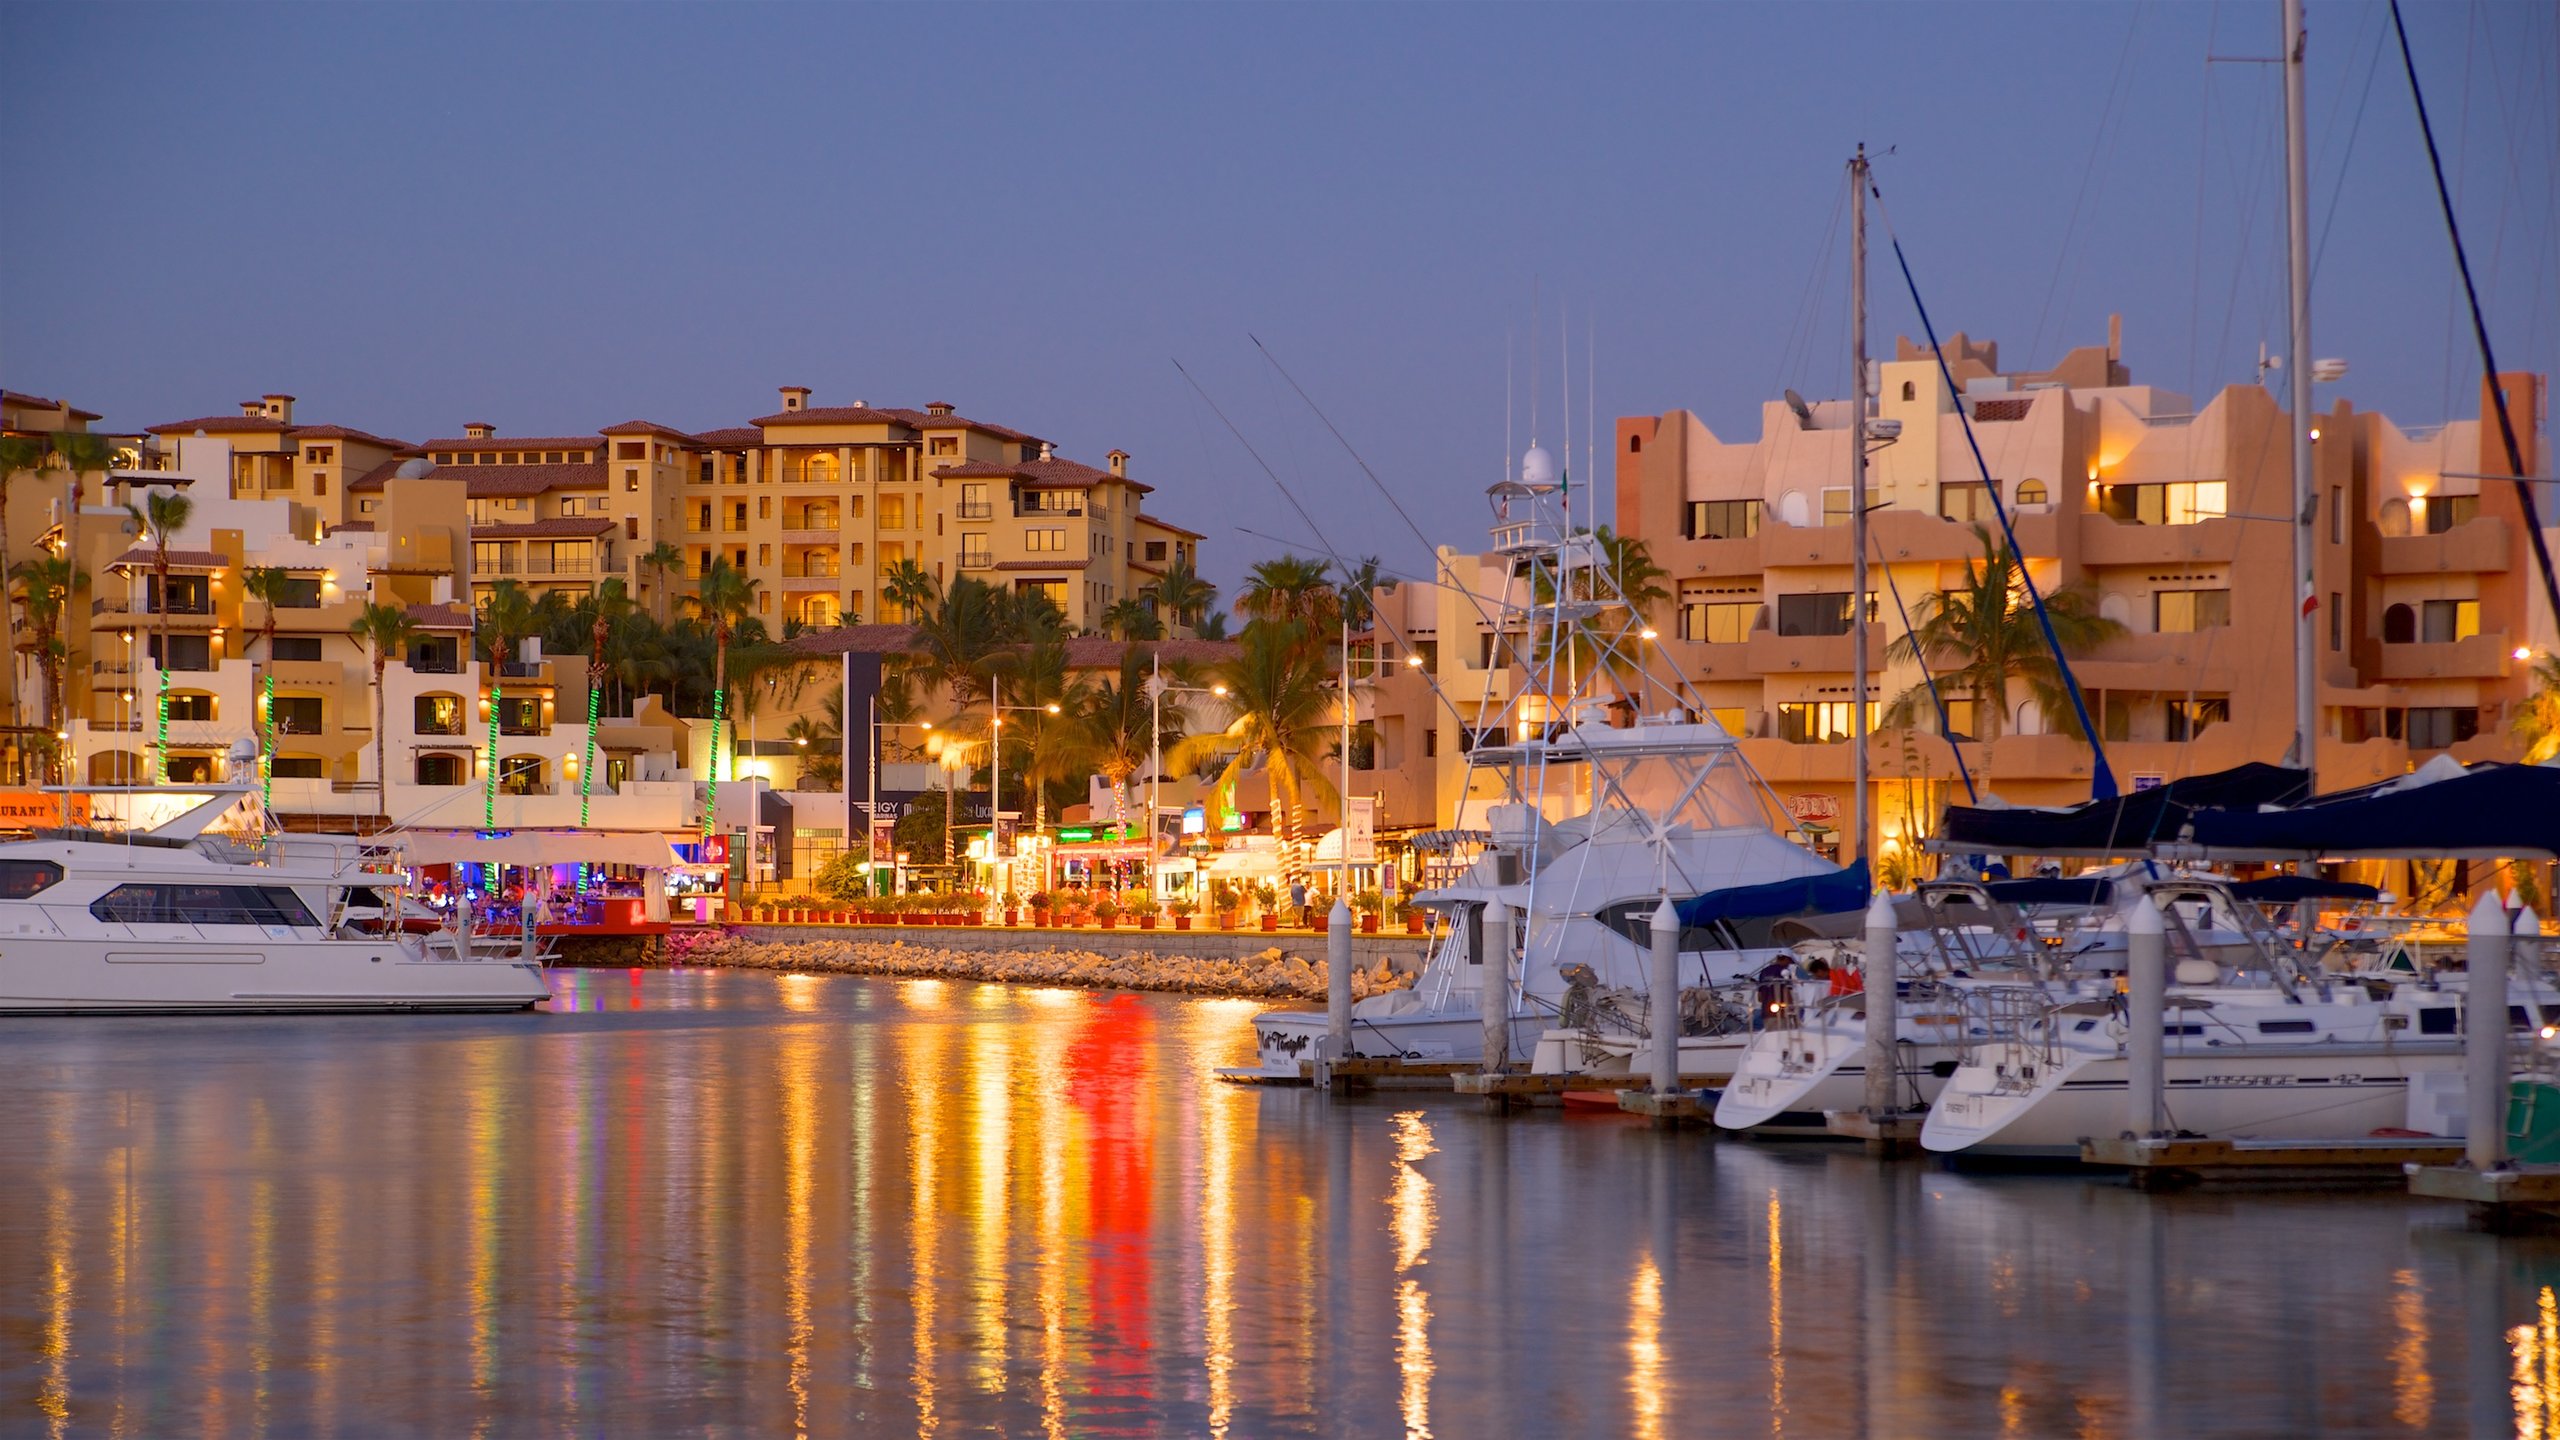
x=173, y=920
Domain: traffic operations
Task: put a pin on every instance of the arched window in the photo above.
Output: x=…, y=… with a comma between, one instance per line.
x=2031, y=492
x=2399, y=625
x=821, y=469
x=116, y=767
x=440, y=769
x=2395, y=517
x=1635, y=444
x=520, y=775
x=1910, y=391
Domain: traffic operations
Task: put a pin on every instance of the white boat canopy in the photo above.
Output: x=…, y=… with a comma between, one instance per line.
x=644, y=848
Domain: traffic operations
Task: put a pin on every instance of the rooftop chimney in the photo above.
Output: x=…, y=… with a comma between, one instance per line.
x=480, y=430
x=280, y=407
x=1120, y=463
x=795, y=398
x=1048, y=451
x=937, y=408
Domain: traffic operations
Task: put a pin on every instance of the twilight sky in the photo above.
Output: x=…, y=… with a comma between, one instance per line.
x=558, y=217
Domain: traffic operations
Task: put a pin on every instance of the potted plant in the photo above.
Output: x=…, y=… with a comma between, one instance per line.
x=1105, y=910
x=1266, y=898
x=1370, y=904
x=1182, y=910
x=1412, y=917
x=1042, y=902
x=1146, y=913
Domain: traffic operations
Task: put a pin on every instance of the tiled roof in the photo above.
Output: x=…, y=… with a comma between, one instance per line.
x=145, y=557
x=515, y=442
x=224, y=425
x=855, y=640
x=491, y=481
x=736, y=437
x=1059, y=474
x=647, y=427
x=576, y=526
x=1159, y=523
x=1093, y=652
x=846, y=415
x=440, y=617
x=359, y=527
x=976, y=470
x=372, y=479
x=16, y=397
x=346, y=432
x=1042, y=564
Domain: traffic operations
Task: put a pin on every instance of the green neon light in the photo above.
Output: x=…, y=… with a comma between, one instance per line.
x=267, y=713
x=164, y=720
x=711, y=796
x=489, y=792
x=587, y=772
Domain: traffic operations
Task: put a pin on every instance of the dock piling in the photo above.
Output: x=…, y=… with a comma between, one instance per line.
x=1664, y=1020
x=2146, y=996
x=1883, y=1026
x=2484, y=1035
x=1337, y=979
x=1493, y=994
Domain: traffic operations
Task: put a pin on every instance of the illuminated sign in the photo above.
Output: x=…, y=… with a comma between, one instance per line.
x=1195, y=821
x=1075, y=834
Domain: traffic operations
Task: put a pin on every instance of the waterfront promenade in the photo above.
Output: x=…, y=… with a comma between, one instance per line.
x=733, y=1202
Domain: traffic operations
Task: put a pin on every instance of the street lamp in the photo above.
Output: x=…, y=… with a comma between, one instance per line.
x=1156, y=690
x=996, y=711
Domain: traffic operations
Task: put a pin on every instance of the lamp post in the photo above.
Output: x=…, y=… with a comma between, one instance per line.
x=996, y=711
x=1156, y=691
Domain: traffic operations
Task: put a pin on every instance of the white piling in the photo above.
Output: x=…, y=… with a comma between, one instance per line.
x=1337, y=979
x=2146, y=974
x=2484, y=1034
x=1664, y=1022
x=1494, y=1000
x=1883, y=1022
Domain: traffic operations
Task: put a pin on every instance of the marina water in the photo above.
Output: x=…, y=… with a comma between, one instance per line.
x=738, y=1203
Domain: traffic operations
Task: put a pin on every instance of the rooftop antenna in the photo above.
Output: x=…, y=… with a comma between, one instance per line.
x=1804, y=412
x=1591, y=416
x=1510, y=365
x=1536, y=332
x=1564, y=377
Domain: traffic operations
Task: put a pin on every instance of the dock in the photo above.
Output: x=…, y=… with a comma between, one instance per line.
x=1679, y=1108
x=2172, y=1163
x=1885, y=1136
x=2507, y=1199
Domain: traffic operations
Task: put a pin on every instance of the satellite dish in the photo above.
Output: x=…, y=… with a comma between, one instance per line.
x=1804, y=412
x=417, y=468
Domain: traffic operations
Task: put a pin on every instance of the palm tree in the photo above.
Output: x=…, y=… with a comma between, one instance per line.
x=267, y=584
x=1989, y=623
x=45, y=583
x=607, y=608
x=17, y=452
x=1292, y=588
x=386, y=630
x=160, y=516
x=723, y=597
x=506, y=616
x=1212, y=626
x=1129, y=618
x=1048, y=708
x=2537, y=719
x=1284, y=713
x=966, y=625
x=668, y=561
x=1630, y=563
x=1118, y=720
x=81, y=454
x=911, y=588
x=1179, y=594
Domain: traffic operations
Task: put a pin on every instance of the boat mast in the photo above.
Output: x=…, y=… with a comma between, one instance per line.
x=2306, y=499
x=1858, y=499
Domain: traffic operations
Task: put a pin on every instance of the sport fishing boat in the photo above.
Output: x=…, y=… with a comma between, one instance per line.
x=173, y=920
x=1597, y=793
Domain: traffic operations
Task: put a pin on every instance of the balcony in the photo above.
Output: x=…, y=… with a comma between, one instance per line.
x=575, y=566
x=2479, y=657
x=2478, y=546
x=539, y=670
x=522, y=727
x=808, y=534
x=975, y=510
x=1024, y=510
x=977, y=560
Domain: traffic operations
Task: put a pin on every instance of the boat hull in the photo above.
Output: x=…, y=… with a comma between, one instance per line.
x=63, y=976
x=1283, y=1039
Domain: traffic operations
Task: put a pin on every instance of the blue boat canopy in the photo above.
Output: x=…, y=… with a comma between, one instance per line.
x=2128, y=824
x=2053, y=890
x=2488, y=812
x=1803, y=895
x=2286, y=889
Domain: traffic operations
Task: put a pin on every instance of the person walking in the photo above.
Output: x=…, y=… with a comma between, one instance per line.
x=1298, y=902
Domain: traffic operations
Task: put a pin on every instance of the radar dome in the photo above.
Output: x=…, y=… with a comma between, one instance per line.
x=1537, y=467
x=415, y=469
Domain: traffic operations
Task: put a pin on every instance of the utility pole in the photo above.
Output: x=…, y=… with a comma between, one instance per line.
x=1858, y=501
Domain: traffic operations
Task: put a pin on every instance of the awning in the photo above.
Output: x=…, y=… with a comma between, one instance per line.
x=644, y=848
x=2129, y=824
x=2488, y=812
x=1805, y=894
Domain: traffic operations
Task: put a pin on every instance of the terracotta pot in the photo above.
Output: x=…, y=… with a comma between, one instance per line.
x=1012, y=917
x=1270, y=922
x=1105, y=922
x=1146, y=922
x=1181, y=922
x=1226, y=922
x=1368, y=924
x=1413, y=923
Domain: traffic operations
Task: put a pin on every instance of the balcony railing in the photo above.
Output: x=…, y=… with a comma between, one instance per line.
x=559, y=565
x=808, y=532
x=977, y=560
x=1025, y=510
x=977, y=510
x=523, y=727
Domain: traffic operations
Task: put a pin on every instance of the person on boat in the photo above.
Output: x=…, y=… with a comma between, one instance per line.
x=1771, y=984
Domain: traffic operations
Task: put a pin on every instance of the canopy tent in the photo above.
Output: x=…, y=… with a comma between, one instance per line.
x=2125, y=825
x=1803, y=895
x=646, y=849
x=2487, y=812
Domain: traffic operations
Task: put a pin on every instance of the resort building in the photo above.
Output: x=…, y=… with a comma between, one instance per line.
x=2169, y=516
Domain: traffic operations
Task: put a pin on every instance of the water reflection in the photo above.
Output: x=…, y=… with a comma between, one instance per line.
x=815, y=1206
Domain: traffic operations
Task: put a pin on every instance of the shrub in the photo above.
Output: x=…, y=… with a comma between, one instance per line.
x=1106, y=909
x=1182, y=909
x=1369, y=902
x=841, y=880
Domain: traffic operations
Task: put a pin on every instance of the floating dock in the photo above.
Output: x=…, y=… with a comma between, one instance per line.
x=2509, y=1198
x=2171, y=1163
